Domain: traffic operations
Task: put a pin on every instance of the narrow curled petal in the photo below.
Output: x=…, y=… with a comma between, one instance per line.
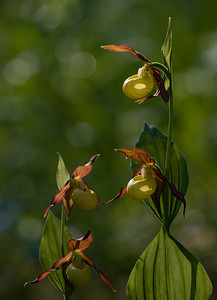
x=177, y=194
x=87, y=259
x=58, y=197
x=124, y=189
x=105, y=279
x=119, y=195
x=82, y=243
x=102, y=276
x=56, y=266
x=172, y=187
x=125, y=48
x=82, y=171
x=137, y=154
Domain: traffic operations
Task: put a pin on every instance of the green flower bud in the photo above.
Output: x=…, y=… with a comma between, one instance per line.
x=139, y=85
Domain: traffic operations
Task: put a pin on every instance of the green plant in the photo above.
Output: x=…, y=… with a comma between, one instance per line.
x=165, y=270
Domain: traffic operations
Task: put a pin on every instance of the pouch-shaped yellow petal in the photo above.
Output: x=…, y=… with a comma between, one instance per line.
x=86, y=200
x=140, y=188
x=139, y=85
x=79, y=277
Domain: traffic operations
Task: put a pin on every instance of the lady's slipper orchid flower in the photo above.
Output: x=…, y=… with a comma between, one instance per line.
x=148, y=181
x=140, y=85
x=76, y=264
x=76, y=191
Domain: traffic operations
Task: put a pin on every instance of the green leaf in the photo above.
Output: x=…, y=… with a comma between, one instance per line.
x=166, y=48
x=62, y=175
x=50, y=249
x=166, y=270
x=155, y=142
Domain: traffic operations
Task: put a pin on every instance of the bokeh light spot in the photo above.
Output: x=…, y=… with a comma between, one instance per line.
x=21, y=68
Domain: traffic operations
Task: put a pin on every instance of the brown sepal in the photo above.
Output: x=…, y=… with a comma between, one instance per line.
x=56, y=266
x=82, y=171
x=139, y=155
x=126, y=48
x=58, y=197
x=82, y=243
x=119, y=195
x=102, y=276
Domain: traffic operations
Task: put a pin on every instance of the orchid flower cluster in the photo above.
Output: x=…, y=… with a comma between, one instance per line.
x=147, y=182
x=76, y=264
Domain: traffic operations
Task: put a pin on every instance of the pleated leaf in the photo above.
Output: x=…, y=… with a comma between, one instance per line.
x=167, y=271
x=50, y=249
x=155, y=142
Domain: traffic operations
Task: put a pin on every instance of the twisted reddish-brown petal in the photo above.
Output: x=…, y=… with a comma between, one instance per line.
x=105, y=279
x=175, y=192
x=82, y=243
x=56, y=266
x=139, y=155
x=119, y=195
x=102, y=276
x=82, y=171
x=156, y=195
x=125, y=48
x=58, y=197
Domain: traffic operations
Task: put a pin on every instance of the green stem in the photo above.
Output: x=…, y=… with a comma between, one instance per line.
x=62, y=230
x=66, y=296
x=168, y=151
x=170, y=127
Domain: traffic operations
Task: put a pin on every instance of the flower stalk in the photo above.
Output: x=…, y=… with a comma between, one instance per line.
x=63, y=215
x=170, y=127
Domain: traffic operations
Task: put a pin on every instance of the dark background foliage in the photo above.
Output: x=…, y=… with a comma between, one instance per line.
x=60, y=92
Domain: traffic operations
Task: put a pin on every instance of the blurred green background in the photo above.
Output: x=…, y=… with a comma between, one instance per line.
x=59, y=91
